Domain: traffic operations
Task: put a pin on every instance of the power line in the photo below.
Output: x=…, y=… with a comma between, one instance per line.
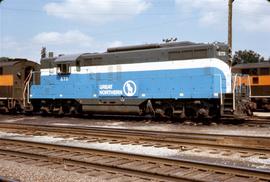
x=149, y=26
x=73, y=13
x=89, y=13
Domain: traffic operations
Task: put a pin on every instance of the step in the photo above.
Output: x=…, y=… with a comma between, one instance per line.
x=227, y=110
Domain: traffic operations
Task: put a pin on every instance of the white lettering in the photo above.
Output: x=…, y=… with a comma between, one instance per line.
x=107, y=90
x=110, y=92
x=64, y=79
x=105, y=87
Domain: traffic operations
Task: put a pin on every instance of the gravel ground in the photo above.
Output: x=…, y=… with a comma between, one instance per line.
x=29, y=173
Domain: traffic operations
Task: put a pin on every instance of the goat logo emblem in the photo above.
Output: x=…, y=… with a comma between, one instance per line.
x=129, y=88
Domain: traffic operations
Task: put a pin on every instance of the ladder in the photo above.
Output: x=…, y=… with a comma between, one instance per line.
x=241, y=90
x=228, y=102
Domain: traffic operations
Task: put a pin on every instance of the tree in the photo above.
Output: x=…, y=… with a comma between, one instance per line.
x=247, y=56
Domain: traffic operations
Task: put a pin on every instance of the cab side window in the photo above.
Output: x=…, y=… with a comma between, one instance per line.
x=264, y=71
x=255, y=80
x=1, y=71
x=63, y=69
x=78, y=66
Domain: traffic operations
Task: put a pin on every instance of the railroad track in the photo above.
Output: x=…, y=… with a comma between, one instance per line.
x=254, y=120
x=123, y=166
x=247, y=121
x=164, y=138
x=225, y=145
x=259, y=122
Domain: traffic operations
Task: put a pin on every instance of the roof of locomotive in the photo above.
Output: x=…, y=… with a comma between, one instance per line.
x=69, y=57
x=131, y=52
x=252, y=65
x=151, y=46
x=4, y=61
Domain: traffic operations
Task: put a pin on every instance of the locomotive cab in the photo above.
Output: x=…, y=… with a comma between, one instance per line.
x=15, y=80
x=257, y=76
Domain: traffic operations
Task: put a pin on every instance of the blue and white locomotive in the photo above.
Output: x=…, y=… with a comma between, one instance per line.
x=180, y=79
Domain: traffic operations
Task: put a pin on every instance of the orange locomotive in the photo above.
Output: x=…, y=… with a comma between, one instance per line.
x=15, y=77
x=257, y=77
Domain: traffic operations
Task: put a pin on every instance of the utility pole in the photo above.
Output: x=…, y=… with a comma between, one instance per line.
x=230, y=5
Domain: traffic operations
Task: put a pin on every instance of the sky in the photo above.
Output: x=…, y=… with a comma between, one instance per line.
x=79, y=26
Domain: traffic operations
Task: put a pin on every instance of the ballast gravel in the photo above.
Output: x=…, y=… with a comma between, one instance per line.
x=29, y=173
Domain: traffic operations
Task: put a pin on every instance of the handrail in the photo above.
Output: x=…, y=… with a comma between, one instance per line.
x=27, y=88
x=234, y=87
x=220, y=88
x=249, y=86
